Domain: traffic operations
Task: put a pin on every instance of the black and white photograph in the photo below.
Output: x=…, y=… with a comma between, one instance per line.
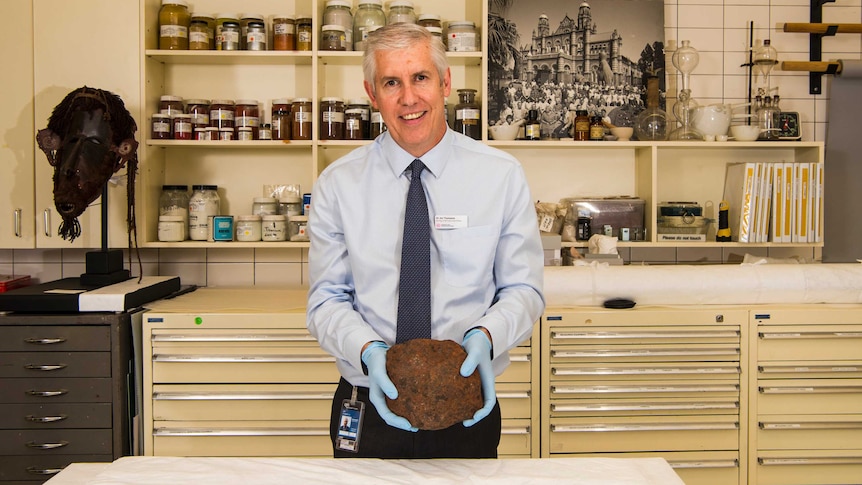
x=562, y=57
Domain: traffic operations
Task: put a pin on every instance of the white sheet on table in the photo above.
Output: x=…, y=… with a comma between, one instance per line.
x=140, y=470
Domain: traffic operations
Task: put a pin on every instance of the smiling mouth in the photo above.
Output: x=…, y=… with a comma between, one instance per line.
x=413, y=116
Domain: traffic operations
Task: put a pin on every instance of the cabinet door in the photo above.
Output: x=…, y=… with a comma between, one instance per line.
x=16, y=126
x=99, y=50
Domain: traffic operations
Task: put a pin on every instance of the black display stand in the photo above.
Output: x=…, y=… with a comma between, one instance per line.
x=104, y=267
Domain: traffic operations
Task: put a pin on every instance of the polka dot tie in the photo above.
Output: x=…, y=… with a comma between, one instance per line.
x=414, y=293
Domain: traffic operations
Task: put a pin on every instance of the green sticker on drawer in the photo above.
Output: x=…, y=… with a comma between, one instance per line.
x=199, y=320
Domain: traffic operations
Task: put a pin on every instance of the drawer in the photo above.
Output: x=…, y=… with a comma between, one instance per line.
x=515, y=437
x=810, y=370
x=693, y=467
x=644, y=406
x=820, y=342
x=645, y=335
x=55, y=442
x=51, y=390
x=256, y=438
x=50, y=338
x=676, y=371
x=700, y=390
x=241, y=402
x=43, y=467
x=813, y=467
x=809, y=396
x=237, y=365
x=822, y=432
x=242, y=337
x=520, y=368
x=644, y=433
x=55, y=364
x=55, y=415
x=692, y=352
x=515, y=400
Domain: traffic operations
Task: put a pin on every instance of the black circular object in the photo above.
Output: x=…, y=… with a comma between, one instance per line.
x=619, y=303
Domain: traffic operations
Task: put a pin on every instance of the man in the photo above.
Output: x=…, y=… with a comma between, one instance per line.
x=485, y=253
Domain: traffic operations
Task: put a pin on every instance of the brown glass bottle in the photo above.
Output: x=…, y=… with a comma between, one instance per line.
x=468, y=119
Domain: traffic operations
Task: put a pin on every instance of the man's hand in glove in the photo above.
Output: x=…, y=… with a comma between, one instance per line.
x=380, y=386
x=478, y=347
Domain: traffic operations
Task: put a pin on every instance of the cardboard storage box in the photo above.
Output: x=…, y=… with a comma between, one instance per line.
x=617, y=212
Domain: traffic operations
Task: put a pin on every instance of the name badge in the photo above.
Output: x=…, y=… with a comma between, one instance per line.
x=450, y=222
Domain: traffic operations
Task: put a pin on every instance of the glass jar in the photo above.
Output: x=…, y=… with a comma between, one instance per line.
x=304, y=31
x=360, y=104
x=222, y=113
x=401, y=11
x=199, y=109
x=265, y=132
x=332, y=38
x=337, y=12
x=274, y=228
x=255, y=37
x=212, y=133
x=264, y=206
x=230, y=36
x=174, y=20
x=182, y=126
x=331, y=118
x=203, y=204
x=468, y=114
x=437, y=32
x=461, y=36
x=582, y=125
x=532, y=126
x=302, y=119
x=297, y=228
x=161, y=127
x=219, y=29
x=244, y=133
x=597, y=129
x=281, y=119
x=244, y=22
x=284, y=33
x=174, y=201
x=378, y=126
x=202, y=134
x=248, y=228
x=172, y=229
x=354, y=127
x=225, y=134
x=210, y=23
x=290, y=206
x=198, y=35
x=369, y=17
x=429, y=20
x=247, y=114
x=170, y=105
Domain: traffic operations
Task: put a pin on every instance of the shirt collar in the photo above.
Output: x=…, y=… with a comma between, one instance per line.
x=434, y=159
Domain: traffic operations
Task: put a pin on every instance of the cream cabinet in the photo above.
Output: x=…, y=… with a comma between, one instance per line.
x=651, y=381
x=806, y=395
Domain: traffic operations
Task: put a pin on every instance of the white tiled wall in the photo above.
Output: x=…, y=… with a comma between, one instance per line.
x=718, y=29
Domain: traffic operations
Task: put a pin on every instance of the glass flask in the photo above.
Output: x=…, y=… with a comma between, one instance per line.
x=651, y=123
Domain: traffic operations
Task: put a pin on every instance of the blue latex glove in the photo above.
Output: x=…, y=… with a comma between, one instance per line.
x=380, y=386
x=478, y=348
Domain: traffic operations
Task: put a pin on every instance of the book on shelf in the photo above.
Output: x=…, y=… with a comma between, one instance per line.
x=739, y=193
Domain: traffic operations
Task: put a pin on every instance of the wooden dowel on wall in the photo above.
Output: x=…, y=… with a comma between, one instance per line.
x=814, y=28
x=811, y=66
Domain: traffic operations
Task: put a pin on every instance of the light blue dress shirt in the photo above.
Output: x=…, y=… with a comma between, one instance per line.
x=486, y=266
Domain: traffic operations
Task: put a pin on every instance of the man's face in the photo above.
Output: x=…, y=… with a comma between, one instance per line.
x=410, y=95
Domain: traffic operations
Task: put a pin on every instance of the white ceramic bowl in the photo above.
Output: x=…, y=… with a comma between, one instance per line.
x=623, y=133
x=744, y=132
x=504, y=131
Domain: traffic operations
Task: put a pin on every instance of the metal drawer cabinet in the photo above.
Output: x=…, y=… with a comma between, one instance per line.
x=694, y=467
x=250, y=438
x=812, y=467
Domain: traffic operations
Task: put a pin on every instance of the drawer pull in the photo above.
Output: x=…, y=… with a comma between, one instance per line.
x=639, y=389
x=519, y=430
x=43, y=471
x=59, y=392
x=601, y=354
x=642, y=335
x=513, y=395
x=245, y=338
x=644, y=427
x=704, y=464
x=45, y=367
x=837, y=460
x=240, y=395
x=607, y=371
x=807, y=335
x=244, y=358
x=680, y=406
x=241, y=432
x=811, y=390
x=45, y=341
x=786, y=369
x=46, y=446
x=814, y=425
x=45, y=419
x=519, y=357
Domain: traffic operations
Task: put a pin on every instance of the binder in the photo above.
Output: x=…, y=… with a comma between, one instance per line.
x=739, y=193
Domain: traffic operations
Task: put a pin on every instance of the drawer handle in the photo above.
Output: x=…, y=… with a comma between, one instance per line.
x=240, y=395
x=811, y=390
x=43, y=471
x=807, y=335
x=640, y=389
x=513, y=395
x=45, y=419
x=785, y=369
x=243, y=358
x=46, y=446
x=519, y=357
x=45, y=367
x=803, y=426
x=644, y=427
x=292, y=337
x=606, y=371
x=45, y=341
x=47, y=393
x=704, y=464
x=682, y=406
x=600, y=354
x=837, y=460
x=241, y=432
x=519, y=430
x=641, y=335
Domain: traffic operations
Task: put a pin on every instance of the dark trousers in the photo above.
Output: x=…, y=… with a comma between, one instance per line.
x=379, y=440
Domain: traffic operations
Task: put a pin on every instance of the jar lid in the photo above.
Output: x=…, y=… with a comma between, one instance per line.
x=290, y=200
x=252, y=16
x=175, y=2
x=175, y=187
x=338, y=3
x=286, y=16
x=370, y=2
x=204, y=187
x=264, y=200
x=275, y=217
x=461, y=23
x=232, y=22
x=169, y=97
x=246, y=102
x=248, y=217
x=159, y=115
x=226, y=16
x=256, y=23
x=361, y=101
x=333, y=27
x=245, y=128
x=198, y=101
x=331, y=99
x=172, y=219
x=301, y=100
x=298, y=219
x=281, y=101
x=223, y=101
x=400, y=3
x=466, y=90
x=202, y=16
x=435, y=30
x=429, y=16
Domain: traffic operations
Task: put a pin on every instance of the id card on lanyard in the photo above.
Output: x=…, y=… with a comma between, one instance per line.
x=350, y=424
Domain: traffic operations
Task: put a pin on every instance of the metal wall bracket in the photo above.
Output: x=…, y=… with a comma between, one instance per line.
x=815, y=45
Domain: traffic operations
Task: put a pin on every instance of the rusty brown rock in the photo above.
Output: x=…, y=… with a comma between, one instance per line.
x=432, y=394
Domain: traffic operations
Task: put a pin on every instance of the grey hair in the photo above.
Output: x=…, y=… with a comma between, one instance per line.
x=398, y=36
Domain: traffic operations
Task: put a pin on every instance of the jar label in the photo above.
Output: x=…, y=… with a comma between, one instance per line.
x=199, y=37
x=284, y=29
x=302, y=117
x=161, y=127
x=252, y=121
x=333, y=117
x=222, y=114
x=305, y=36
x=533, y=131
x=462, y=42
x=200, y=118
x=174, y=31
x=467, y=114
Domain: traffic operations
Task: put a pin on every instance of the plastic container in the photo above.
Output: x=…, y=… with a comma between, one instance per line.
x=174, y=201
x=248, y=228
x=264, y=206
x=401, y=11
x=222, y=113
x=182, y=124
x=302, y=119
x=290, y=206
x=364, y=109
x=297, y=228
x=244, y=133
x=332, y=38
x=247, y=114
x=331, y=118
x=199, y=39
x=369, y=17
x=378, y=126
x=203, y=204
x=245, y=22
x=274, y=228
x=429, y=20
x=461, y=36
x=210, y=23
x=337, y=12
x=170, y=105
x=172, y=229
x=160, y=127
x=199, y=109
x=174, y=21
x=304, y=32
x=284, y=33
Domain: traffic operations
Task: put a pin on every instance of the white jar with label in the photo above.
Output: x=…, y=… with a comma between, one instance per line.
x=248, y=228
x=264, y=206
x=290, y=206
x=297, y=228
x=172, y=228
x=203, y=204
x=461, y=36
x=274, y=228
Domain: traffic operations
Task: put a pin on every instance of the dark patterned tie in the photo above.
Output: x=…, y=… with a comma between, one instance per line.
x=414, y=294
